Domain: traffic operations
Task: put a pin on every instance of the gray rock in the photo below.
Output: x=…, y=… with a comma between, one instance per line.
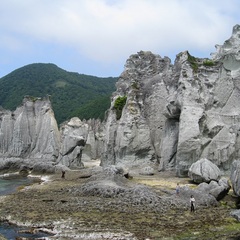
x=235, y=177
x=204, y=171
x=147, y=171
x=110, y=183
x=203, y=198
x=177, y=114
x=30, y=135
x=217, y=189
x=73, y=139
x=30, y=131
x=235, y=214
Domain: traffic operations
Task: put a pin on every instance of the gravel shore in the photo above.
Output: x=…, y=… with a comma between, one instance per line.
x=52, y=206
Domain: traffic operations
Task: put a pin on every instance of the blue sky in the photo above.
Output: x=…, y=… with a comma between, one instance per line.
x=96, y=37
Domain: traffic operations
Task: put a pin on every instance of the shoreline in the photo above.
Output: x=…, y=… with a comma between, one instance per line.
x=50, y=205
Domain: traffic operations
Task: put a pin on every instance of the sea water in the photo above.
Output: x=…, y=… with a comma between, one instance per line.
x=9, y=185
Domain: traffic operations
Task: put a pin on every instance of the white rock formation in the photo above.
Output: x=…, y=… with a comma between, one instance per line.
x=29, y=136
x=80, y=140
x=30, y=131
x=177, y=114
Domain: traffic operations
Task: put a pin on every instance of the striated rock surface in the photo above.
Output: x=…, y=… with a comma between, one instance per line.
x=30, y=138
x=162, y=116
x=73, y=138
x=30, y=131
x=177, y=114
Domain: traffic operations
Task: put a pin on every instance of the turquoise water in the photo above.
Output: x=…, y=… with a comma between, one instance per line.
x=10, y=231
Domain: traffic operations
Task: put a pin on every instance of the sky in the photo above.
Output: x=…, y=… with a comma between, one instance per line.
x=96, y=37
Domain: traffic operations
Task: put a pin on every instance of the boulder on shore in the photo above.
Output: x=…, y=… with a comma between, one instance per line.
x=204, y=171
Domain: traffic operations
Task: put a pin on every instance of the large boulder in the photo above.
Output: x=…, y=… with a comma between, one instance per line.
x=235, y=177
x=217, y=189
x=204, y=171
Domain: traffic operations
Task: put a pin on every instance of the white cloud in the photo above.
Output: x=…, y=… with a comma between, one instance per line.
x=109, y=30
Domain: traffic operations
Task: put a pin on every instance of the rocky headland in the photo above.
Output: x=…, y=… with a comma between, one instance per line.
x=167, y=123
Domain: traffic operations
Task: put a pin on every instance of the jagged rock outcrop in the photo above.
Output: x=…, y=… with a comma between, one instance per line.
x=29, y=137
x=168, y=115
x=73, y=138
x=30, y=132
x=177, y=114
x=136, y=137
x=80, y=140
x=94, y=143
x=236, y=214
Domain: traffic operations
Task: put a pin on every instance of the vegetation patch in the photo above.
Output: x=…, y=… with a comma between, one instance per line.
x=193, y=62
x=208, y=63
x=70, y=92
x=119, y=104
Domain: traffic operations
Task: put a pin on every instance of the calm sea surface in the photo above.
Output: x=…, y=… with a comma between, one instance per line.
x=8, y=186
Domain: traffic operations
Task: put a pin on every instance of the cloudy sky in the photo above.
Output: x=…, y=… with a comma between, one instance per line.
x=96, y=37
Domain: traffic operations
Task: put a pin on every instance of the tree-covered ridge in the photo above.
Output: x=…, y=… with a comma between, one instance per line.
x=72, y=94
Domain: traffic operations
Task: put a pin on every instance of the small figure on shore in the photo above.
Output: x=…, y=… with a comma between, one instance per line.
x=192, y=203
x=177, y=189
x=63, y=174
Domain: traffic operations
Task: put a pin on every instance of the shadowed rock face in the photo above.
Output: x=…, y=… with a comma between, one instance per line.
x=177, y=114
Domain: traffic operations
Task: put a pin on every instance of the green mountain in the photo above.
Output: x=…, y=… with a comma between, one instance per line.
x=72, y=94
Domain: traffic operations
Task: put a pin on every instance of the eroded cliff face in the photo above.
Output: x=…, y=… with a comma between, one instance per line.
x=29, y=136
x=136, y=137
x=176, y=114
x=80, y=141
x=30, y=131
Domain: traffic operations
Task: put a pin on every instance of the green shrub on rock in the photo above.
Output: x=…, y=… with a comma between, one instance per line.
x=208, y=63
x=119, y=104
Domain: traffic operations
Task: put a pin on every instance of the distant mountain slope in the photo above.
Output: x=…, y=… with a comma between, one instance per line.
x=72, y=94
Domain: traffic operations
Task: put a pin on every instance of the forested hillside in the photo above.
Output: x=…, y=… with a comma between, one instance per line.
x=72, y=94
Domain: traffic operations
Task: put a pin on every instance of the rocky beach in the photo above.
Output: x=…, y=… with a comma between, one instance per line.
x=167, y=124
x=60, y=206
